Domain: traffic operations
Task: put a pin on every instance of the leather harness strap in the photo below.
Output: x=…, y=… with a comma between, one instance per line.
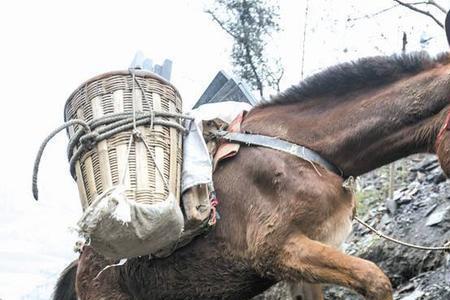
x=277, y=144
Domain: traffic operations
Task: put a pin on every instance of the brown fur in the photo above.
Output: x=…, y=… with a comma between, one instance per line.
x=443, y=150
x=280, y=218
x=65, y=287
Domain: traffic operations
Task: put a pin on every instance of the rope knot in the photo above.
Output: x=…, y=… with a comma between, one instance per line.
x=137, y=135
x=89, y=140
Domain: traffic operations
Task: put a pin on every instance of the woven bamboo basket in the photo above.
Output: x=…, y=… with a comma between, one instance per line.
x=111, y=162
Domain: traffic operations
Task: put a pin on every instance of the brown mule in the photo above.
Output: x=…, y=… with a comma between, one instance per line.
x=283, y=218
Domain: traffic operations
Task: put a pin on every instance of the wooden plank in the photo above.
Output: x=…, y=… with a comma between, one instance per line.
x=90, y=178
x=173, y=174
x=142, y=180
x=102, y=147
x=159, y=151
x=80, y=182
x=121, y=150
x=122, y=159
x=118, y=101
x=137, y=98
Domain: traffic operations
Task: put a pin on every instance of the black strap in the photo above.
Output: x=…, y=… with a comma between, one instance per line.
x=277, y=144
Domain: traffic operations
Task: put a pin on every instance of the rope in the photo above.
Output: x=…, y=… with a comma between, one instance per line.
x=37, y=161
x=446, y=247
x=98, y=130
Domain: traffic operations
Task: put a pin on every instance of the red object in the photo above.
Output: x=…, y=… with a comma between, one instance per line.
x=214, y=203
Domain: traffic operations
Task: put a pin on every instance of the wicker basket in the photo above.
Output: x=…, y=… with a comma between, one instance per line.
x=111, y=162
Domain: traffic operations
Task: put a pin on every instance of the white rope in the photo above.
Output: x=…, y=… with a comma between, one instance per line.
x=446, y=247
x=137, y=135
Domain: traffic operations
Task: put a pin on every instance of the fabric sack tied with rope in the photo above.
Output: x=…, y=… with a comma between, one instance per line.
x=118, y=226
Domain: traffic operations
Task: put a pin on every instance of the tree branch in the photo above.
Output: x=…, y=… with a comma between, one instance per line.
x=220, y=23
x=431, y=2
x=278, y=80
x=248, y=22
x=418, y=3
x=412, y=7
x=248, y=54
x=304, y=39
x=367, y=16
x=248, y=57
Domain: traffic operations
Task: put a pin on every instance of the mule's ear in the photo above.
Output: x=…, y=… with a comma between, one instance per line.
x=447, y=26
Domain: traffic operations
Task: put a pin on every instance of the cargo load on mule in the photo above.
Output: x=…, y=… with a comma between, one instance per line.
x=125, y=152
x=129, y=181
x=142, y=167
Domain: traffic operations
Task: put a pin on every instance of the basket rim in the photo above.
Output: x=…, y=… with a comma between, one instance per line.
x=137, y=72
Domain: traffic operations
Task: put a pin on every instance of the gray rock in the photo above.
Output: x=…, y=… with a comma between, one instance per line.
x=414, y=295
x=413, y=191
x=404, y=199
x=391, y=205
x=431, y=209
x=439, y=178
x=438, y=217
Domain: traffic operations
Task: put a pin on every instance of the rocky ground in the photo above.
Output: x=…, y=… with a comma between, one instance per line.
x=419, y=212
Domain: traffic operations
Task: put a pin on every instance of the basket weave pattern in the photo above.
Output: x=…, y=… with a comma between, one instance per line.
x=111, y=162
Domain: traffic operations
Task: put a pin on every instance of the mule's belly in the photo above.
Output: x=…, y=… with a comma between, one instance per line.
x=202, y=270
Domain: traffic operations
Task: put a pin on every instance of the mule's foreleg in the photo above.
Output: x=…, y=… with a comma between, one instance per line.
x=304, y=259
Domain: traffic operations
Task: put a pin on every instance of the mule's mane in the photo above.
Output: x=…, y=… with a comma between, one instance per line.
x=365, y=72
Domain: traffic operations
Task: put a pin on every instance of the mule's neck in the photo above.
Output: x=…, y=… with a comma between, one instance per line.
x=366, y=129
